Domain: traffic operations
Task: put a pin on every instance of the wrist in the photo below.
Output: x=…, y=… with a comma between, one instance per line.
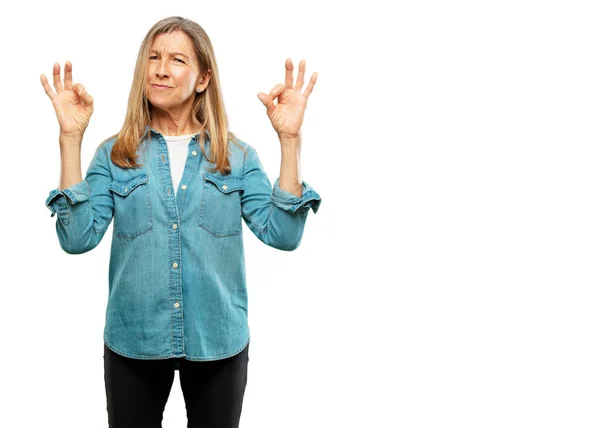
x=70, y=138
x=290, y=140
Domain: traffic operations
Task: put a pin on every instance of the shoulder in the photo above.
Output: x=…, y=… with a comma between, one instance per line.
x=239, y=147
x=239, y=151
x=107, y=144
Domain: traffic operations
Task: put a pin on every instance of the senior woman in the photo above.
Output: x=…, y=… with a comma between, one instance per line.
x=178, y=184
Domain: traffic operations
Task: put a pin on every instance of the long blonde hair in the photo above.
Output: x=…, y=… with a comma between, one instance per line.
x=208, y=106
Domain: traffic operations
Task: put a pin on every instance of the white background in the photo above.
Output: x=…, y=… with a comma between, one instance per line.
x=450, y=277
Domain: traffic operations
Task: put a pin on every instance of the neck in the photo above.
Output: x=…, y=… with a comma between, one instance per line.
x=168, y=123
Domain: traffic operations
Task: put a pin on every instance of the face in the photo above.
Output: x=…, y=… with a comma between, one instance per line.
x=172, y=64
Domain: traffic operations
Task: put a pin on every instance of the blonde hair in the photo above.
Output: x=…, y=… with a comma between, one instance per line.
x=208, y=106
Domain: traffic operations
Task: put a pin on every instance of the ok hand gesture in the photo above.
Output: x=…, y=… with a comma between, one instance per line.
x=72, y=104
x=286, y=116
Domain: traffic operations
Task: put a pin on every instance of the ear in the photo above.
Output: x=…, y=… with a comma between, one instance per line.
x=203, y=82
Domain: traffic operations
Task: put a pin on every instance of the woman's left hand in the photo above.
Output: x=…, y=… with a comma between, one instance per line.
x=286, y=116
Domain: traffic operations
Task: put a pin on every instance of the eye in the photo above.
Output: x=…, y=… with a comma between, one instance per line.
x=153, y=56
x=180, y=60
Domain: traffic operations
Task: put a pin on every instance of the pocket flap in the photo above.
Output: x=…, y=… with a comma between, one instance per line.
x=124, y=188
x=226, y=184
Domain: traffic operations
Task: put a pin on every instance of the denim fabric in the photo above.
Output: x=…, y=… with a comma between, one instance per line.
x=177, y=279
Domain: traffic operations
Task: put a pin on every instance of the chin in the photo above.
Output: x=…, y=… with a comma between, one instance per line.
x=159, y=105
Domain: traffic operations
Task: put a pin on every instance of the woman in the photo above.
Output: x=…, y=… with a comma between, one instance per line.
x=178, y=184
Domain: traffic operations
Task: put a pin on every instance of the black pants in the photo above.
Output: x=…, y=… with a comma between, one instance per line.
x=137, y=390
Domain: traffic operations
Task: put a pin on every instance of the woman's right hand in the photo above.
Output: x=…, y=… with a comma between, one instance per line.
x=72, y=104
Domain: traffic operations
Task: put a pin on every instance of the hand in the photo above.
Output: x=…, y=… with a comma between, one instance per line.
x=72, y=104
x=286, y=116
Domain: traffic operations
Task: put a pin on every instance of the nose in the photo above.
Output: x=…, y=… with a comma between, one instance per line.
x=162, y=69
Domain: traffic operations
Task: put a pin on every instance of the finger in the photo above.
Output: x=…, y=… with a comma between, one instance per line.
x=83, y=95
x=47, y=87
x=88, y=100
x=56, y=77
x=266, y=100
x=276, y=91
x=68, y=75
x=289, y=74
x=300, y=80
x=311, y=84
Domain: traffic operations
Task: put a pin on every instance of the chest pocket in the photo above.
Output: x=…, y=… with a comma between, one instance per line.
x=133, y=212
x=221, y=206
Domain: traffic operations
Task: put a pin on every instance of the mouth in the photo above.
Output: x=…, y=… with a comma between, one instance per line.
x=160, y=86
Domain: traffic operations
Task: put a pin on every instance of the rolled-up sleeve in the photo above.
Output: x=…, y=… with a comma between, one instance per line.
x=85, y=209
x=274, y=215
x=292, y=203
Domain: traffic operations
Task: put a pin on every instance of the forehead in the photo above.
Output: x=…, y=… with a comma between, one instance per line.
x=176, y=41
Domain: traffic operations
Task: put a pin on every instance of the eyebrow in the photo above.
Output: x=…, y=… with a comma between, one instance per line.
x=171, y=53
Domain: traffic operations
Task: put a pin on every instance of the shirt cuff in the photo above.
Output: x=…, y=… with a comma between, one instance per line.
x=78, y=192
x=292, y=203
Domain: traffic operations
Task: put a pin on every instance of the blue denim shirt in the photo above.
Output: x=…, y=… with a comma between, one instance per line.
x=177, y=279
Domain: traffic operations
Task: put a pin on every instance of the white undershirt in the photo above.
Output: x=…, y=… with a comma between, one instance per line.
x=178, y=153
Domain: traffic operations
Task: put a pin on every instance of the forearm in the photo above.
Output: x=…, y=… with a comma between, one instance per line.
x=70, y=160
x=290, y=179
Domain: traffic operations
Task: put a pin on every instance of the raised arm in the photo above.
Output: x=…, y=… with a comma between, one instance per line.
x=84, y=207
x=73, y=107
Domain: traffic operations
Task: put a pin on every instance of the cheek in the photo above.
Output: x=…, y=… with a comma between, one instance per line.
x=187, y=81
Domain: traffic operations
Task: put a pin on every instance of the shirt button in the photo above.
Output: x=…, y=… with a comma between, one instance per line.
x=175, y=265
x=176, y=304
x=194, y=153
x=184, y=187
x=224, y=186
x=174, y=226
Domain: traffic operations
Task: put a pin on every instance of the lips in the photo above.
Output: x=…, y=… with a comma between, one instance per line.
x=159, y=86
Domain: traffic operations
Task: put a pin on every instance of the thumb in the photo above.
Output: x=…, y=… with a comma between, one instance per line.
x=266, y=100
